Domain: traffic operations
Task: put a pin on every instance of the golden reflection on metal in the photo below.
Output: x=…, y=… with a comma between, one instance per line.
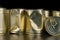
x=7, y=20
x=53, y=22
x=56, y=13
x=2, y=24
x=45, y=15
x=36, y=20
x=14, y=11
x=25, y=22
x=52, y=25
x=15, y=26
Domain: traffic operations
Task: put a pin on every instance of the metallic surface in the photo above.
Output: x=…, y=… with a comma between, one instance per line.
x=7, y=21
x=36, y=21
x=52, y=26
x=45, y=14
x=33, y=20
x=25, y=22
x=56, y=13
x=28, y=37
x=14, y=20
x=2, y=24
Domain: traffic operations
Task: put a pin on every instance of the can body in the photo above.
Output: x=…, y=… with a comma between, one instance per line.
x=2, y=24
x=52, y=26
x=25, y=22
x=56, y=13
x=36, y=20
x=15, y=20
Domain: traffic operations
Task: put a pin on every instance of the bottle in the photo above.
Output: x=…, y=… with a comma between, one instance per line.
x=2, y=22
x=56, y=13
x=14, y=21
x=7, y=21
x=45, y=15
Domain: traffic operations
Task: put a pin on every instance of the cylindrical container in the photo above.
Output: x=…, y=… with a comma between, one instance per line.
x=25, y=22
x=56, y=13
x=36, y=20
x=2, y=24
x=7, y=21
x=52, y=25
x=45, y=15
x=14, y=19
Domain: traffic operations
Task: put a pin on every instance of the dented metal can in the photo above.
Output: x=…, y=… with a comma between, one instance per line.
x=52, y=25
x=36, y=20
x=25, y=22
x=6, y=21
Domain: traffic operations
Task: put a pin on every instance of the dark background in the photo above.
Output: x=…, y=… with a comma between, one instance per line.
x=31, y=4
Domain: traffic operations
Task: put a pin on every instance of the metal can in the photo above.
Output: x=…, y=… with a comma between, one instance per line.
x=45, y=14
x=52, y=25
x=56, y=13
x=25, y=22
x=36, y=20
x=2, y=22
x=14, y=20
